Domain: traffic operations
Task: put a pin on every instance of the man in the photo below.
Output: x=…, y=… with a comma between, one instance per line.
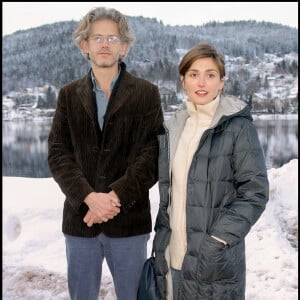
x=103, y=150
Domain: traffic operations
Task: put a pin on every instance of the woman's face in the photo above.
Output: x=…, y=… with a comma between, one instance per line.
x=202, y=81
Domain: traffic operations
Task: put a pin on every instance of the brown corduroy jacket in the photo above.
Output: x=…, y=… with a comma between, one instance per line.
x=121, y=157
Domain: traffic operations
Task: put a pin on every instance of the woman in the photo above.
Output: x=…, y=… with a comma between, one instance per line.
x=213, y=186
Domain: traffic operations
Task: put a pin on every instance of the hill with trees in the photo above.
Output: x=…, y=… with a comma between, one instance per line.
x=46, y=55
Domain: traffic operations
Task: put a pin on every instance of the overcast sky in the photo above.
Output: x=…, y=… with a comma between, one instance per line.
x=24, y=15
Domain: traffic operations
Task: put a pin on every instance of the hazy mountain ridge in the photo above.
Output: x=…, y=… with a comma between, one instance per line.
x=47, y=54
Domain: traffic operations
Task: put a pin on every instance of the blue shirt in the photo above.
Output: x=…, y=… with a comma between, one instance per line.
x=101, y=97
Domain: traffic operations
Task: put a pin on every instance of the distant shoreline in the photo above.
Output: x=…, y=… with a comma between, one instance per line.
x=275, y=116
x=259, y=116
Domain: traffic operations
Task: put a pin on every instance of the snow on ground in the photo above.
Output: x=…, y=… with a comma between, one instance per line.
x=34, y=264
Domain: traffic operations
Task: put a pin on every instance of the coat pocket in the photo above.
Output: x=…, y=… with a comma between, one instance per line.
x=216, y=261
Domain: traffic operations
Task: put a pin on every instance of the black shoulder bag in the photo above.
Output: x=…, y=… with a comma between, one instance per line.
x=148, y=289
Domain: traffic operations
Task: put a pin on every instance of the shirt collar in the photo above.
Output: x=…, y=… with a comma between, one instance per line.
x=96, y=87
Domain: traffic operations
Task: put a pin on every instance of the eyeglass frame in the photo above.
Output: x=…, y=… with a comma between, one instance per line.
x=111, y=39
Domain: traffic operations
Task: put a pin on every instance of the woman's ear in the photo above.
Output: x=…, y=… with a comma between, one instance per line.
x=222, y=83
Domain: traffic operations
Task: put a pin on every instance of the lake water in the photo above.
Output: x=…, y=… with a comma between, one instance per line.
x=24, y=145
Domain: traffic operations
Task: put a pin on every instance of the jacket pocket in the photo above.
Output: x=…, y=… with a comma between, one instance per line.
x=216, y=261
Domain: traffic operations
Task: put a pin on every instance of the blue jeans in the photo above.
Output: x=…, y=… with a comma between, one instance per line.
x=125, y=258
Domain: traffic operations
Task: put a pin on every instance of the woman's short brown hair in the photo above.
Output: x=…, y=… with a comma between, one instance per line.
x=201, y=51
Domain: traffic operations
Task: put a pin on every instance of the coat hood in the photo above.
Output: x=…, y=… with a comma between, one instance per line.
x=229, y=107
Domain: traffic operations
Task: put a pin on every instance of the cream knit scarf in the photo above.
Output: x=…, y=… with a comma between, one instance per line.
x=199, y=119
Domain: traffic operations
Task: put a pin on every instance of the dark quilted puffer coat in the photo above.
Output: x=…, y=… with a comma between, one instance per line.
x=227, y=191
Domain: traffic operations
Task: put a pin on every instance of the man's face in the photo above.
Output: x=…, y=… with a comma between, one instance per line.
x=104, y=45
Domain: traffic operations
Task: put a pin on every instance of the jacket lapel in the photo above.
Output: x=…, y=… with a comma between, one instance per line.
x=118, y=98
x=120, y=94
x=85, y=94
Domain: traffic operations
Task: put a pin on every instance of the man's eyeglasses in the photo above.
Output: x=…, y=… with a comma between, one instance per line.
x=111, y=39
